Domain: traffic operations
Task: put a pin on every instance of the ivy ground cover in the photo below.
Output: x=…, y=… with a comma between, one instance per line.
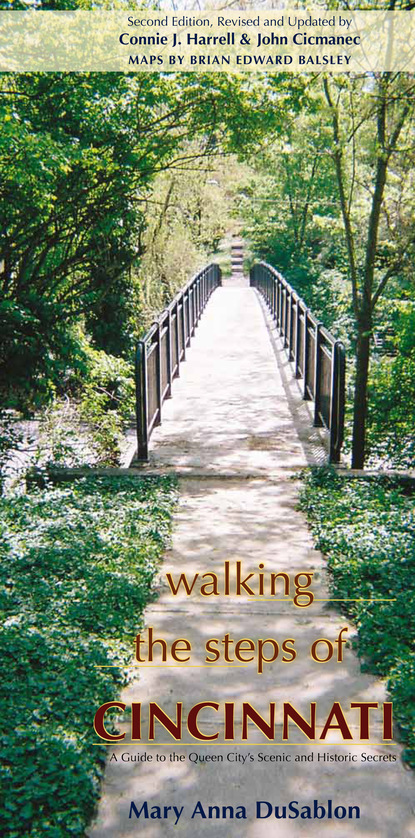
x=367, y=531
x=78, y=565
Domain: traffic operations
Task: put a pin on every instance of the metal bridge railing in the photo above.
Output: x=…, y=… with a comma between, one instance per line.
x=163, y=348
x=319, y=359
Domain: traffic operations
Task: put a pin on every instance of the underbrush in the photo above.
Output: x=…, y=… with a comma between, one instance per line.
x=77, y=570
x=88, y=427
x=366, y=530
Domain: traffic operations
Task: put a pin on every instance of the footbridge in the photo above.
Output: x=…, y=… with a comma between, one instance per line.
x=260, y=350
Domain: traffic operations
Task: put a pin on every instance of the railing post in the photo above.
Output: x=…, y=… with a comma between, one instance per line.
x=286, y=320
x=297, y=338
x=306, y=395
x=177, y=334
x=291, y=329
x=196, y=303
x=189, y=318
x=282, y=317
x=317, y=376
x=278, y=318
x=159, y=372
x=191, y=309
x=337, y=401
x=269, y=290
x=194, y=307
x=274, y=298
x=141, y=397
x=199, y=297
x=288, y=323
x=169, y=356
x=184, y=327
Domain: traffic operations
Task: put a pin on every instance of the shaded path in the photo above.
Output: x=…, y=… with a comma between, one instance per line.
x=235, y=431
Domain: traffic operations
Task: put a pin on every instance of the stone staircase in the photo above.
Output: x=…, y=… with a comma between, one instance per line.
x=237, y=278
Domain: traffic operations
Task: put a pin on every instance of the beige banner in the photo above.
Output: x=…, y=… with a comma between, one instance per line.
x=270, y=41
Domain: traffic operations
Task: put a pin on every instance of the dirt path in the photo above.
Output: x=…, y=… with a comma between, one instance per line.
x=236, y=431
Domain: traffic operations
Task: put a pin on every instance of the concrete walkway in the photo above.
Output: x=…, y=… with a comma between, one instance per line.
x=236, y=431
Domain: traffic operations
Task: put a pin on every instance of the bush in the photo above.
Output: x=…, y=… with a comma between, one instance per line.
x=78, y=568
x=391, y=424
x=366, y=529
x=88, y=428
x=10, y=440
x=107, y=404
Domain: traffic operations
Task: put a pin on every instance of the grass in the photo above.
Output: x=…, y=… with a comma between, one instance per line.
x=366, y=529
x=77, y=571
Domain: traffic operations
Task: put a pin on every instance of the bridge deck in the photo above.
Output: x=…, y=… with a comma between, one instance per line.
x=235, y=432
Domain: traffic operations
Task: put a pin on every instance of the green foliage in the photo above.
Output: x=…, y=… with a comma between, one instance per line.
x=10, y=439
x=187, y=216
x=391, y=422
x=290, y=211
x=331, y=206
x=77, y=569
x=366, y=529
x=38, y=353
x=107, y=404
x=88, y=428
x=401, y=686
x=291, y=218
x=78, y=156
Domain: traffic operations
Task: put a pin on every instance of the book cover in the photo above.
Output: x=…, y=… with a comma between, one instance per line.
x=135, y=145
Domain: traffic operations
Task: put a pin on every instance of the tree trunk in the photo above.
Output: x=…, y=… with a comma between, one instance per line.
x=360, y=394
